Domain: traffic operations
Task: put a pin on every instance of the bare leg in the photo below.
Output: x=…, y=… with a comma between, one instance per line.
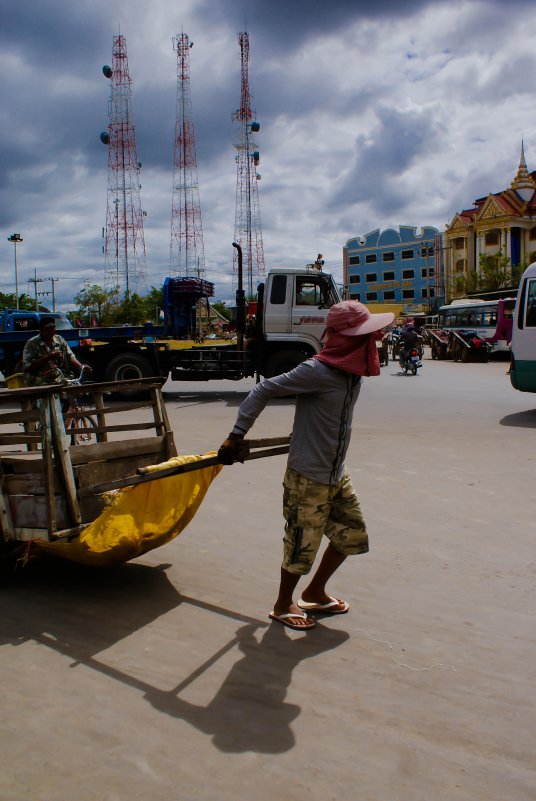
x=285, y=604
x=315, y=592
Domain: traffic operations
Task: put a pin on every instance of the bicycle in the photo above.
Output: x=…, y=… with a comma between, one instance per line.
x=79, y=425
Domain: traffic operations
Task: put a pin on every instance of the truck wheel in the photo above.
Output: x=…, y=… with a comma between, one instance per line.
x=127, y=367
x=283, y=362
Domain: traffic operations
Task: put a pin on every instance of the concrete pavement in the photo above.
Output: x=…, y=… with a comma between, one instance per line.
x=164, y=680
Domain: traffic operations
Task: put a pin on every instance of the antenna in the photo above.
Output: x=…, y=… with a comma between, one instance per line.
x=124, y=243
x=248, y=231
x=187, y=256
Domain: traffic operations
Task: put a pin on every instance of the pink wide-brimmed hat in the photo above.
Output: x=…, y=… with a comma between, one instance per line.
x=351, y=319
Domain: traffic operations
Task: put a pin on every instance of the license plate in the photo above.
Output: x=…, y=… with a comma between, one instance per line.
x=414, y=358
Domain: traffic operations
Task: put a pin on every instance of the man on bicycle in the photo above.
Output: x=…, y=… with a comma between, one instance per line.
x=48, y=359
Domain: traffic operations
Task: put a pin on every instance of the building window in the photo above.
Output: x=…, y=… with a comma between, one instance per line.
x=532, y=234
x=430, y=272
x=459, y=243
x=355, y=296
x=370, y=258
x=353, y=260
x=407, y=254
x=407, y=294
x=460, y=266
x=407, y=274
x=388, y=256
x=372, y=296
x=389, y=295
x=371, y=278
x=428, y=251
x=390, y=276
x=492, y=237
x=355, y=279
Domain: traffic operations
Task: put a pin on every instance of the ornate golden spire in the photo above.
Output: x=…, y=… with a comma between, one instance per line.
x=523, y=183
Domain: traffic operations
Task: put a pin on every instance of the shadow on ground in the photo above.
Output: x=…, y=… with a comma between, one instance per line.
x=520, y=419
x=80, y=612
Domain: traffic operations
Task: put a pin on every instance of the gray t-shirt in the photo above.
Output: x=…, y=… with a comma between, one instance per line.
x=325, y=400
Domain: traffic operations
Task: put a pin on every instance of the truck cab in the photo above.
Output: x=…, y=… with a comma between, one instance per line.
x=293, y=307
x=13, y=320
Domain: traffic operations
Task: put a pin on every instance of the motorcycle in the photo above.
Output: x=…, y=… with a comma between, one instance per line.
x=410, y=360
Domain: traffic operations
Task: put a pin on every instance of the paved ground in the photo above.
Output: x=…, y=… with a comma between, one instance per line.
x=163, y=680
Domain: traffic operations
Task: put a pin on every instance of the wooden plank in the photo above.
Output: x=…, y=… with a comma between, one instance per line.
x=23, y=462
x=18, y=438
x=121, y=427
x=19, y=417
x=46, y=439
x=63, y=463
x=6, y=519
x=102, y=435
x=30, y=426
x=31, y=511
x=210, y=461
x=98, y=472
x=160, y=413
x=28, y=484
x=100, y=451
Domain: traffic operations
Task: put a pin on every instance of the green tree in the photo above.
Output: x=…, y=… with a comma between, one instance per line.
x=222, y=309
x=26, y=303
x=494, y=272
x=95, y=302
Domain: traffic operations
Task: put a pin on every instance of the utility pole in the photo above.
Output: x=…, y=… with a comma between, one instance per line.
x=53, y=281
x=35, y=280
x=16, y=239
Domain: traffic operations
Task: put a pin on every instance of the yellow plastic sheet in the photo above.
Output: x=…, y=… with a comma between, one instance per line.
x=141, y=517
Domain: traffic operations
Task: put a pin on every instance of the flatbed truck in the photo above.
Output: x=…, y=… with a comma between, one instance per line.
x=287, y=328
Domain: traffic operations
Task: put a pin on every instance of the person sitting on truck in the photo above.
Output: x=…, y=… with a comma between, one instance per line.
x=47, y=358
x=319, y=498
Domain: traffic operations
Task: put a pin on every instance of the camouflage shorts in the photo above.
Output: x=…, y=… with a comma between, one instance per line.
x=312, y=510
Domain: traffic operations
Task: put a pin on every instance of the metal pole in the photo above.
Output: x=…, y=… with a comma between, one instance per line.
x=16, y=238
x=16, y=278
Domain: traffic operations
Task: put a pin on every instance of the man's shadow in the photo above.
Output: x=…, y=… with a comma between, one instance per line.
x=81, y=612
x=249, y=712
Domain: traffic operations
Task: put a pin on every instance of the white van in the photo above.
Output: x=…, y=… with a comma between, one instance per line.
x=523, y=364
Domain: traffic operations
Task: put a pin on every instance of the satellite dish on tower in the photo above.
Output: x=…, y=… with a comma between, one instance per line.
x=105, y=138
x=107, y=71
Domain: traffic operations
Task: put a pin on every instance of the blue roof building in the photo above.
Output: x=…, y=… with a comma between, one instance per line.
x=394, y=267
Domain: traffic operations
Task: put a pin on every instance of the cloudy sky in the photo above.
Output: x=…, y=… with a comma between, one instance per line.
x=373, y=114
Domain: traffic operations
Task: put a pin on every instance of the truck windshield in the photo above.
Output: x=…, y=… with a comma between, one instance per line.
x=63, y=323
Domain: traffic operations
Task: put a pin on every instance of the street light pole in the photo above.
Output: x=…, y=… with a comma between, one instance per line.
x=16, y=239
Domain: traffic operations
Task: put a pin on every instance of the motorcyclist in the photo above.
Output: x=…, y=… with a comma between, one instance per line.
x=409, y=338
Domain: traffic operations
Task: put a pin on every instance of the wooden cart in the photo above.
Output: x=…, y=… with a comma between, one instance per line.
x=45, y=481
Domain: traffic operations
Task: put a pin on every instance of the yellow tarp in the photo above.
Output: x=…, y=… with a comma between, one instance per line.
x=140, y=518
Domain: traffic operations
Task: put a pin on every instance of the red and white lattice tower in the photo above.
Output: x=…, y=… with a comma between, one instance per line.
x=248, y=231
x=124, y=246
x=187, y=256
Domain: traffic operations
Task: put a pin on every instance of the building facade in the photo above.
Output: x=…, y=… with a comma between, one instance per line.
x=504, y=222
x=398, y=268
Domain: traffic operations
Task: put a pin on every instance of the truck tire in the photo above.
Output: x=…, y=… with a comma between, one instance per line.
x=125, y=367
x=128, y=366
x=283, y=362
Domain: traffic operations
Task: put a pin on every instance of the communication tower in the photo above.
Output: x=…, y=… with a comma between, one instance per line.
x=248, y=231
x=187, y=256
x=124, y=243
